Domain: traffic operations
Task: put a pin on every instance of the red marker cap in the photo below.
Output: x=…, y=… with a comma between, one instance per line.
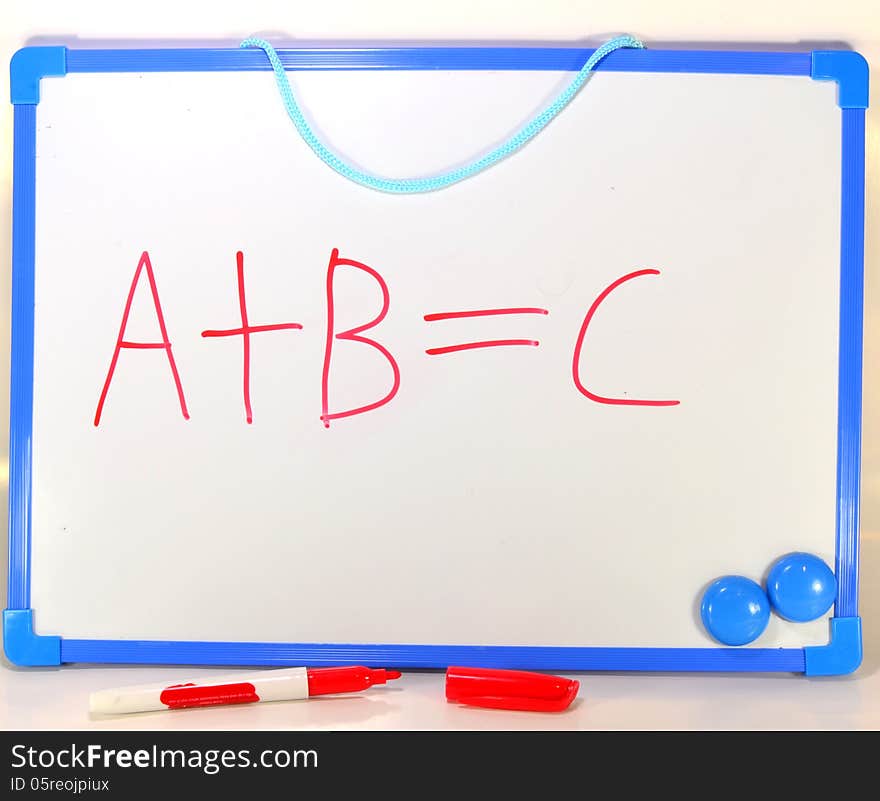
x=510, y=689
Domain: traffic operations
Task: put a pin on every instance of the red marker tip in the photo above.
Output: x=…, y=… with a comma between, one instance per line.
x=327, y=681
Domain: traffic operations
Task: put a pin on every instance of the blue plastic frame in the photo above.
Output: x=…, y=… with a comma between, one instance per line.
x=842, y=654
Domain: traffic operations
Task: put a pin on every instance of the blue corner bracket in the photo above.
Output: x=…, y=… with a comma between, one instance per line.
x=842, y=655
x=849, y=69
x=23, y=646
x=28, y=66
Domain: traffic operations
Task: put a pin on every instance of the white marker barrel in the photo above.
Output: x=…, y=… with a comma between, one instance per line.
x=242, y=688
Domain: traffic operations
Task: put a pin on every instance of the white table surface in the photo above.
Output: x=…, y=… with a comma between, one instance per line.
x=57, y=698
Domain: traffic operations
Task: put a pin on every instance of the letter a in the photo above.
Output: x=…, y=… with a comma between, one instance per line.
x=353, y=335
x=121, y=342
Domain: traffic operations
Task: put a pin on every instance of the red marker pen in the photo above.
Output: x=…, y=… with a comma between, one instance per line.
x=243, y=688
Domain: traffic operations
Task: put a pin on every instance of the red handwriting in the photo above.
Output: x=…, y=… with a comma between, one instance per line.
x=430, y=318
x=122, y=343
x=489, y=343
x=353, y=335
x=245, y=333
x=575, y=364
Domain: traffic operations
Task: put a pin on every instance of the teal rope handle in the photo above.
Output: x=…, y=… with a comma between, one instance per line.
x=404, y=186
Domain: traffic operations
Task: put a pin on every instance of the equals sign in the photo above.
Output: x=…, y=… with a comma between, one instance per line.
x=489, y=343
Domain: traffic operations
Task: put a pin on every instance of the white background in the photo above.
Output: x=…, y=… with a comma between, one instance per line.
x=628, y=700
x=489, y=494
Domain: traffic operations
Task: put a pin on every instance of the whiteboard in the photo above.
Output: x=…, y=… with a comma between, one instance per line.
x=492, y=500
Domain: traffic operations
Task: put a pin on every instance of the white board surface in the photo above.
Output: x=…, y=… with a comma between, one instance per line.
x=489, y=502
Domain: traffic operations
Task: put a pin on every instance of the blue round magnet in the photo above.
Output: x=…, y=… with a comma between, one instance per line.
x=735, y=610
x=801, y=587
